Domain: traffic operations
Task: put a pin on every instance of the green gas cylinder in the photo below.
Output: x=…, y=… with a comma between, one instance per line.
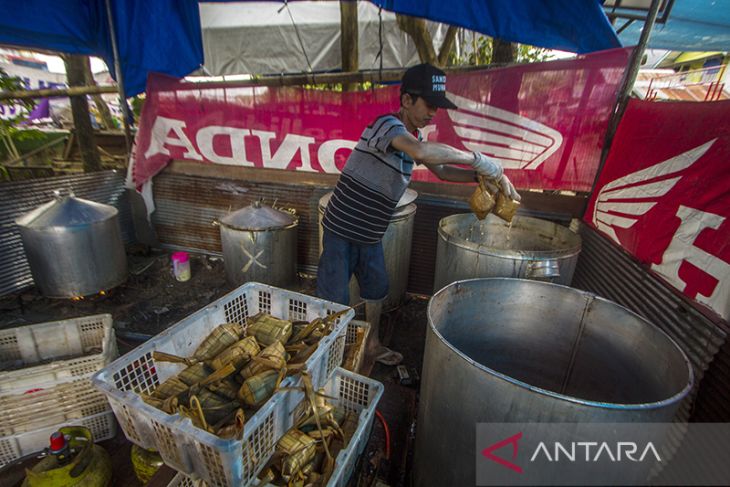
x=73, y=461
x=145, y=463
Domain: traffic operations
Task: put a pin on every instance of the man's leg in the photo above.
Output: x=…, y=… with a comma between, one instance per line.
x=334, y=269
x=373, y=280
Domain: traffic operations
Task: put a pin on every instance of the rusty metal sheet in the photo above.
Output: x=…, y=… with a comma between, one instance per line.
x=19, y=197
x=186, y=207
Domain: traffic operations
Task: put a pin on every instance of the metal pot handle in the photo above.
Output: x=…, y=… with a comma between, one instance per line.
x=543, y=269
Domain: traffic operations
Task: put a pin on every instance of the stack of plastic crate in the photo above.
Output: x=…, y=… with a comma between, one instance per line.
x=45, y=382
x=189, y=449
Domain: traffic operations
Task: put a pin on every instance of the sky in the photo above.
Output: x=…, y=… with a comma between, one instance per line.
x=55, y=64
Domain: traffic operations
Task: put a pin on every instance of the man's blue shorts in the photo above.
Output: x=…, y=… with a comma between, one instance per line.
x=341, y=259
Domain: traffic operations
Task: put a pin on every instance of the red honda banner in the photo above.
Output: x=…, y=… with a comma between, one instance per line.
x=664, y=195
x=544, y=122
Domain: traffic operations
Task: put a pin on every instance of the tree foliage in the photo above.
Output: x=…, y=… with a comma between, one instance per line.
x=481, y=52
x=13, y=83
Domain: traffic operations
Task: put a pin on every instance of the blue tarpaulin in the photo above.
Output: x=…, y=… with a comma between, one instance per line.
x=568, y=25
x=165, y=35
x=156, y=35
x=693, y=25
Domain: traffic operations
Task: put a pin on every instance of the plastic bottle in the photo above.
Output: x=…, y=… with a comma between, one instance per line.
x=181, y=266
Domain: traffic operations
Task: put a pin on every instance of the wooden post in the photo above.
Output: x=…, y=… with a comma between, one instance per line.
x=349, y=40
x=503, y=52
x=101, y=105
x=447, y=46
x=80, y=109
x=416, y=28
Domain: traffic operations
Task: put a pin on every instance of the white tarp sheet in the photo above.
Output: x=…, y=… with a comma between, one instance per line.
x=260, y=38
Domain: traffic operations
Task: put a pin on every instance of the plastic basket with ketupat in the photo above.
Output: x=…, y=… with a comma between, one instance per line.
x=185, y=438
x=349, y=393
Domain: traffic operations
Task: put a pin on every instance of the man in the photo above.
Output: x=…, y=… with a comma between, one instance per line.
x=373, y=180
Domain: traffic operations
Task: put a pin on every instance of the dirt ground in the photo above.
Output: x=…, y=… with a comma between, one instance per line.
x=148, y=302
x=151, y=300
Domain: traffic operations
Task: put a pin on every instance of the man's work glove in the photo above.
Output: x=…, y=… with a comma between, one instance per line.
x=508, y=188
x=488, y=167
x=485, y=166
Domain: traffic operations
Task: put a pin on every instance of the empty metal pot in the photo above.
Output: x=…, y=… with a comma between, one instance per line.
x=260, y=244
x=74, y=247
x=519, y=351
x=529, y=248
x=396, y=248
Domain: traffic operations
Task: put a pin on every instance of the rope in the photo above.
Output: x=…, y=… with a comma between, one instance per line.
x=299, y=37
x=380, y=46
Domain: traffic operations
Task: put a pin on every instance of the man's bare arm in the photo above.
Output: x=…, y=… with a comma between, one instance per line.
x=439, y=158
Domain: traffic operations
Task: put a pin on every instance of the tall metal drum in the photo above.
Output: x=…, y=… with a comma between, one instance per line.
x=519, y=351
x=529, y=248
x=396, y=247
x=74, y=247
x=260, y=244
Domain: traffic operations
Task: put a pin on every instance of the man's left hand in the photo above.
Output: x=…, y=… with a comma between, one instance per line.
x=508, y=188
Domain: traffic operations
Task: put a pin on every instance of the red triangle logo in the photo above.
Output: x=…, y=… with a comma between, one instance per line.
x=488, y=452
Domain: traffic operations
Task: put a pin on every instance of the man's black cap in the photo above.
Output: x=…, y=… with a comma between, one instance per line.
x=428, y=82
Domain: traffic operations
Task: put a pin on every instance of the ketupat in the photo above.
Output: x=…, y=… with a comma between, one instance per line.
x=298, y=449
x=271, y=357
x=219, y=339
x=237, y=354
x=257, y=389
x=268, y=329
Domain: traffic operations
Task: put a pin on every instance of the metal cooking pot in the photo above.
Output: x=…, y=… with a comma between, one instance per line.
x=260, y=244
x=529, y=248
x=74, y=247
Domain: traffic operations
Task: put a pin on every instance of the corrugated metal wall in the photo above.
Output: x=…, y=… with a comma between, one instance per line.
x=186, y=207
x=17, y=198
x=607, y=270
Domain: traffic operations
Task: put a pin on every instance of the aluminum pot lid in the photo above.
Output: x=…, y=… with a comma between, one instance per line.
x=67, y=211
x=258, y=216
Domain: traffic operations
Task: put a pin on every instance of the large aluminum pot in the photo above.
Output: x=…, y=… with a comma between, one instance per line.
x=396, y=247
x=519, y=351
x=260, y=244
x=74, y=247
x=528, y=248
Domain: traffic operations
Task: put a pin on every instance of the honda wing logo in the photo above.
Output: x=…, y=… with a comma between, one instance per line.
x=620, y=203
x=517, y=142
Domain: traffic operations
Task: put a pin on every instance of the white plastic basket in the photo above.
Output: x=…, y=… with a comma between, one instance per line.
x=52, y=366
x=102, y=427
x=355, y=393
x=351, y=338
x=189, y=449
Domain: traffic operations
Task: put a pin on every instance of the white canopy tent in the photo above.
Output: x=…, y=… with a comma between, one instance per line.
x=261, y=38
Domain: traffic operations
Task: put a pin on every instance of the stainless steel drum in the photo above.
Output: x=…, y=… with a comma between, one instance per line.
x=260, y=244
x=512, y=350
x=529, y=248
x=396, y=247
x=74, y=247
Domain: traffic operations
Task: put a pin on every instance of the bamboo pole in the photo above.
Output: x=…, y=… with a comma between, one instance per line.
x=373, y=76
x=48, y=92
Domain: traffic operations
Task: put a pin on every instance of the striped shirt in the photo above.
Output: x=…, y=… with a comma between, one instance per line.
x=372, y=181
